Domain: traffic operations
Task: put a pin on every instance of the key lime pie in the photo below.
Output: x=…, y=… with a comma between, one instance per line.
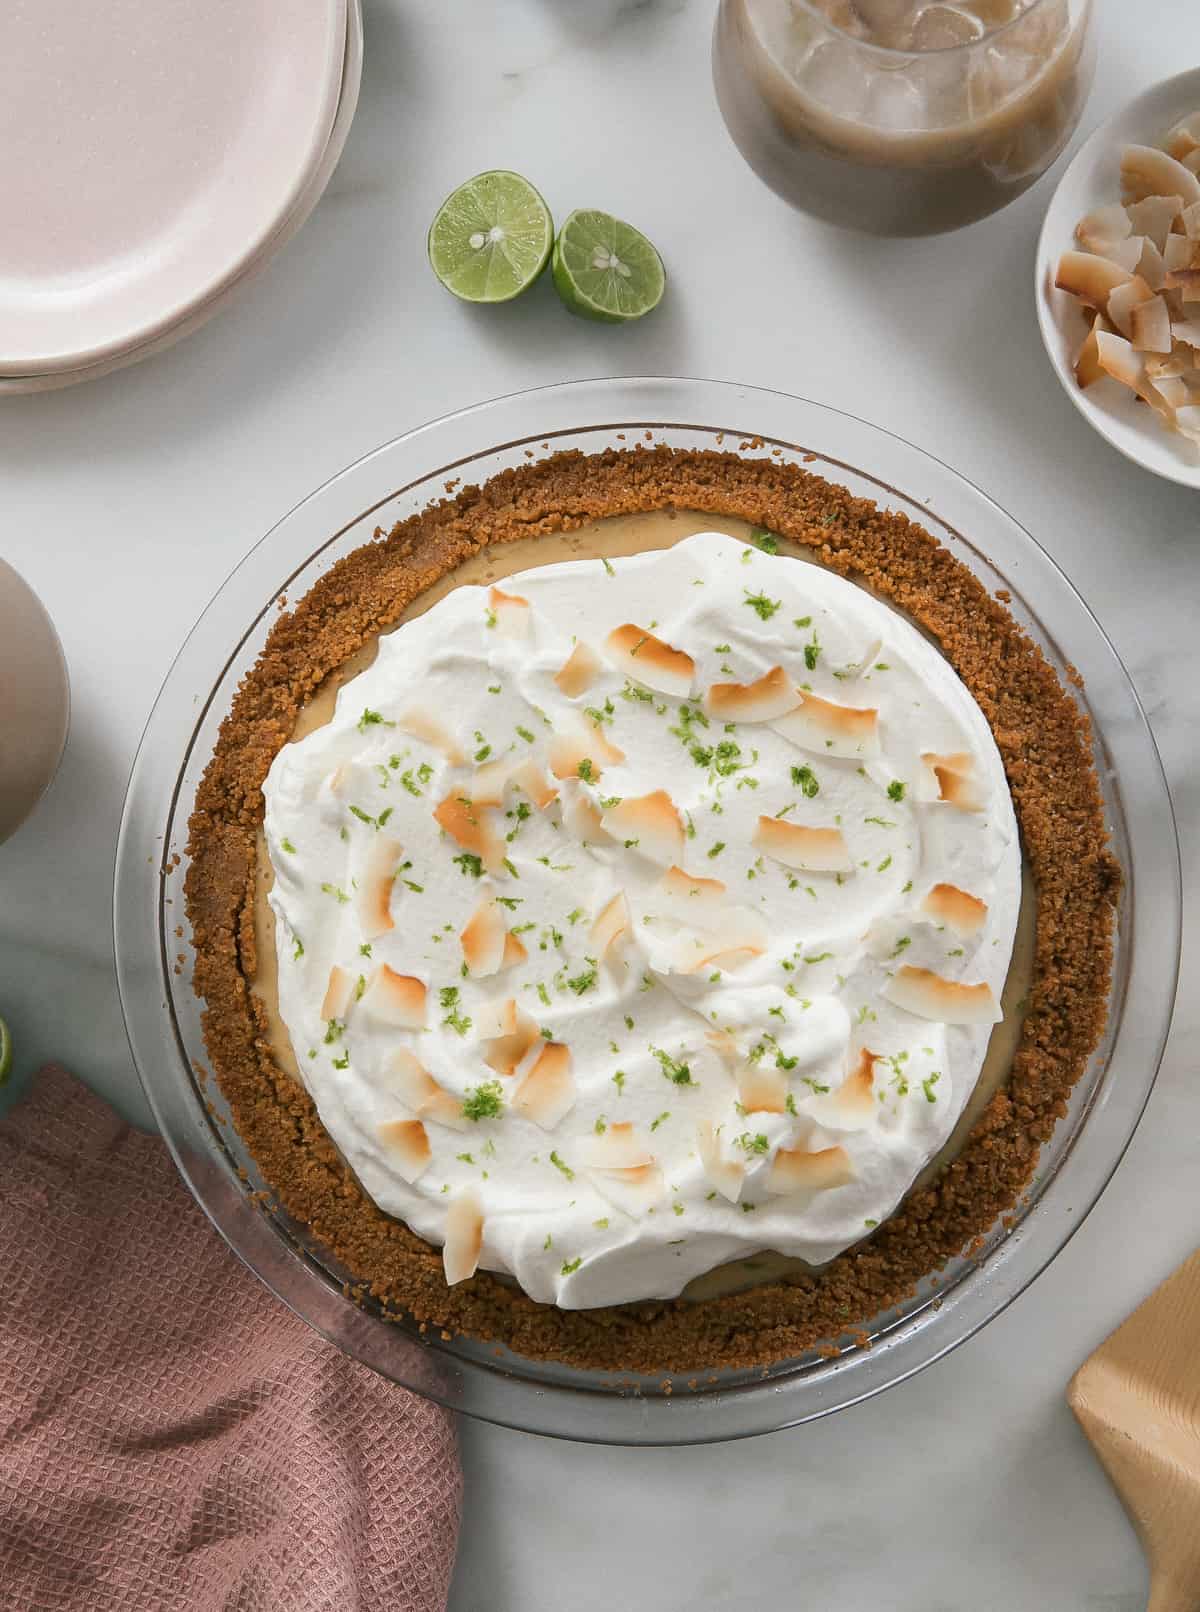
x=612, y=959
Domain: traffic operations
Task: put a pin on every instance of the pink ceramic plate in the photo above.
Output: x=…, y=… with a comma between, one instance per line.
x=202, y=312
x=149, y=153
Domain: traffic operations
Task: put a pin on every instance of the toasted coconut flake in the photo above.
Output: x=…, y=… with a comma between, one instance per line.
x=417, y=1088
x=647, y=659
x=1090, y=278
x=1102, y=229
x=426, y=727
x=856, y=1094
x=1119, y=360
x=547, y=1093
x=1174, y=392
x=651, y=822
x=464, y=1237
x=579, y=671
x=396, y=999
x=1087, y=359
x=339, y=993
x=1190, y=220
x=515, y=1033
x=514, y=951
x=1179, y=253
x=512, y=613
x=1150, y=266
x=1128, y=254
x=497, y=1017
x=762, y=1090
x=955, y=775
x=374, y=901
x=1146, y=171
x=617, y=1148
x=794, y=1170
x=727, y=1175
x=740, y=937
x=1184, y=138
x=582, y=820
x=1153, y=217
x=929, y=996
x=611, y=924
x=690, y=900
x=634, y=1191
x=812, y=850
x=947, y=904
x=571, y=751
x=845, y=731
x=1124, y=300
x=1185, y=281
x=468, y=825
x=728, y=959
x=611, y=754
x=1187, y=331
x=1179, y=362
x=772, y=695
x=483, y=938
x=489, y=782
x=408, y=1146
x=960, y=761
x=531, y=780
x=584, y=745
x=410, y=1080
x=724, y=1045
x=1151, y=327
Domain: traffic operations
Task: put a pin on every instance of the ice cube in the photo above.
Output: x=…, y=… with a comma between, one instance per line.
x=1044, y=30
x=1006, y=70
x=888, y=22
x=834, y=74
x=844, y=15
x=895, y=102
x=995, y=14
x=940, y=27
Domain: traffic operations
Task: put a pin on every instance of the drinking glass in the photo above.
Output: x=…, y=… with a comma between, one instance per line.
x=901, y=117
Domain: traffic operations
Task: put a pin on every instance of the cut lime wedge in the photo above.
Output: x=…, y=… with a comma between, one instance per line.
x=607, y=270
x=5, y=1052
x=491, y=237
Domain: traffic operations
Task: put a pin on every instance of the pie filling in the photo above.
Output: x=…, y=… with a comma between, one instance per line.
x=636, y=916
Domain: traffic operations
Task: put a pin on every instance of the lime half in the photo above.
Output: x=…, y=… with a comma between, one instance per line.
x=491, y=237
x=604, y=269
x=5, y=1052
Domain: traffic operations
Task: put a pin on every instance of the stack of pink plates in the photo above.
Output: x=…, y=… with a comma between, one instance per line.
x=155, y=158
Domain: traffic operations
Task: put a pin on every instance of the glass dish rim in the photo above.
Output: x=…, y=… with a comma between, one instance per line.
x=542, y=1409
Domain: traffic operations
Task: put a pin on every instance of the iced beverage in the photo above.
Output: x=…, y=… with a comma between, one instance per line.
x=902, y=117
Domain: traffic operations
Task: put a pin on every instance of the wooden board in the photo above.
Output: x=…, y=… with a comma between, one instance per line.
x=1138, y=1400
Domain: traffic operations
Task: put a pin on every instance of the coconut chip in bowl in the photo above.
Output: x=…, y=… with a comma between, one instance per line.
x=1136, y=275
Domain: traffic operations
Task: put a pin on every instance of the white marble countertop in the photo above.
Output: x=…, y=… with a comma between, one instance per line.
x=126, y=502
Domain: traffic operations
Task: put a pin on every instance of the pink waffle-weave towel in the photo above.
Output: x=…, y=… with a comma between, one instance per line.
x=171, y=1436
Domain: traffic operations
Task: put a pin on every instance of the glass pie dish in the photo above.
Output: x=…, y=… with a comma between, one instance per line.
x=162, y=1013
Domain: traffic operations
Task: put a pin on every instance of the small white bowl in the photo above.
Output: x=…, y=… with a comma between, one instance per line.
x=1093, y=180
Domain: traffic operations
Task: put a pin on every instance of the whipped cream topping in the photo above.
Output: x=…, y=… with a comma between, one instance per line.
x=636, y=916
